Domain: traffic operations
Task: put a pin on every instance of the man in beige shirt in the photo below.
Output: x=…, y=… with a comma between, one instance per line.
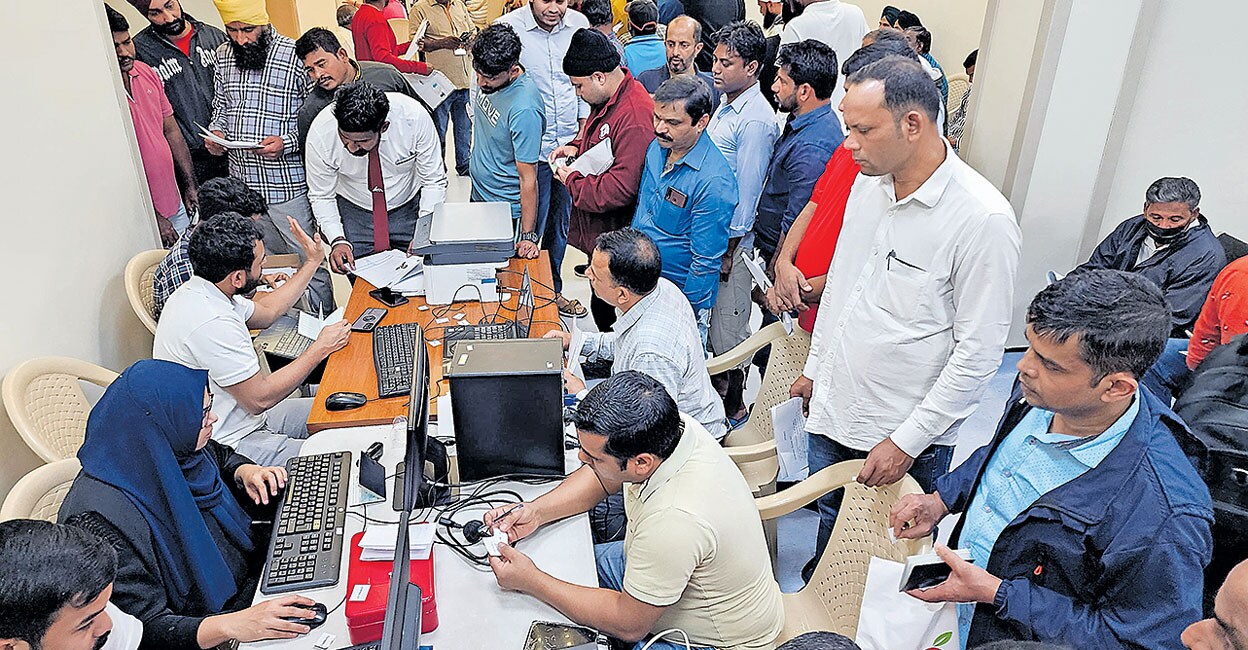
x=693, y=556
x=446, y=50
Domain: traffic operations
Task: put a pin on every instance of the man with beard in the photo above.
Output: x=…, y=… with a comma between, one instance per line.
x=684, y=43
x=160, y=140
x=183, y=51
x=330, y=66
x=259, y=86
x=688, y=194
x=205, y=325
x=374, y=164
x=509, y=119
x=55, y=584
x=839, y=25
x=621, y=114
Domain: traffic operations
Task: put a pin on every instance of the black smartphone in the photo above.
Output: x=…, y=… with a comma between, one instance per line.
x=388, y=297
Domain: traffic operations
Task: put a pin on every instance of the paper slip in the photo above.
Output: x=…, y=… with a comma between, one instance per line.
x=791, y=441
x=392, y=268
x=228, y=144
x=432, y=88
x=413, y=50
x=755, y=266
x=574, y=350
x=377, y=543
x=597, y=160
x=310, y=326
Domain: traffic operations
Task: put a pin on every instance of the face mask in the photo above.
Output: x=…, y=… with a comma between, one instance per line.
x=1161, y=235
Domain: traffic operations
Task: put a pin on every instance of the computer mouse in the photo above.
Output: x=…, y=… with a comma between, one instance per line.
x=318, y=615
x=344, y=401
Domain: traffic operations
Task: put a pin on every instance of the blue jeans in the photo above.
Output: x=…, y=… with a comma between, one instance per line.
x=455, y=108
x=1168, y=376
x=823, y=451
x=610, y=560
x=554, y=208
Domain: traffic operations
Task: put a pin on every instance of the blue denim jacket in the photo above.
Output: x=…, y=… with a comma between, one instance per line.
x=1113, y=559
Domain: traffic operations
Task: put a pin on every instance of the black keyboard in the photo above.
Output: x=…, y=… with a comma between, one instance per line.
x=489, y=332
x=306, y=549
x=392, y=356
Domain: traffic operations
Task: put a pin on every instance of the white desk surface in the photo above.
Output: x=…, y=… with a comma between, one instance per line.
x=473, y=612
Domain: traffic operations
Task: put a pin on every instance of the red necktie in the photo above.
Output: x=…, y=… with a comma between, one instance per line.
x=381, y=221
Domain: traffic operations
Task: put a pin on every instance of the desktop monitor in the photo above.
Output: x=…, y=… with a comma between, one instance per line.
x=525, y=307
x=417, y=426
x=401, y=630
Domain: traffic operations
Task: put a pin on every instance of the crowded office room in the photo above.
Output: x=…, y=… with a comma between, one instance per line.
x=625, y=325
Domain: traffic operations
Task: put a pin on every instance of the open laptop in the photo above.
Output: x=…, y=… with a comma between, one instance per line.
x=514, y=329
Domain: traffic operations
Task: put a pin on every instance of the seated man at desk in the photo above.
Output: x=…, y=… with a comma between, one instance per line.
x=655, y=334
x=374, y=165
x=694, y=557
x=205, y=325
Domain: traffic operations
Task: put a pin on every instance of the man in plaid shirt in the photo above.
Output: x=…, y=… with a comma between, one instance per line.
x=258, y=87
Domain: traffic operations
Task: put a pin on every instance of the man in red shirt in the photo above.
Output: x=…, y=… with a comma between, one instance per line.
x=374, y=39
x=621, y=113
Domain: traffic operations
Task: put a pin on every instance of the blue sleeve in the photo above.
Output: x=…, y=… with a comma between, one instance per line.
x=1155, y=593
x=714, y=202
x=803, y=170
x=755, y=136
x=526, y=127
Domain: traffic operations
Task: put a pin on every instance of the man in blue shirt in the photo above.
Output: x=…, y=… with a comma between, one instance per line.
x=508, y=120
x=687, y=194
x=745, y=130
x=1088, y=526
x=644, y=50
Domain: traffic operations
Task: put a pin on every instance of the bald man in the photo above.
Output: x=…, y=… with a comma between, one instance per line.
x=683, y=43
x=1228, y=629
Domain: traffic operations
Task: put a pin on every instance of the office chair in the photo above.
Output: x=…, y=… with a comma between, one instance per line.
x=47, y=405
x=140, y=272
x=831, y=601
x=39, y=494
x=959, y=85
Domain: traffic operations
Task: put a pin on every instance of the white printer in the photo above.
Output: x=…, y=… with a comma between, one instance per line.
x=463, y=246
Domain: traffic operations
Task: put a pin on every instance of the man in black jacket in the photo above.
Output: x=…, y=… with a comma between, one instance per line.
x=183, y=51
x=1170, y=244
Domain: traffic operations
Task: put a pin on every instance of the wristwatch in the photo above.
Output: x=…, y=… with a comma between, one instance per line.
x=529, y=237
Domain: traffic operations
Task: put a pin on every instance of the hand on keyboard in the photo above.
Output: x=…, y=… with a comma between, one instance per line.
x=261, y=482
x=333, y=338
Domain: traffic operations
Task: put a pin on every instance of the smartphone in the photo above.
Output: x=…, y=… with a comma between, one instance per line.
x=388, y=297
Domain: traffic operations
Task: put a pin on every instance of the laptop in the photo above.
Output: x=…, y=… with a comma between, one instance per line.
x=282, y=343
x=514, y=329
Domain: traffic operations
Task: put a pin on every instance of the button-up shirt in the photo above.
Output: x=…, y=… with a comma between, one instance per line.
x=541, y=54
x=839, y=25
x=251, y=105
x=658, y=336
x=798, y=160
x=450, y=19
x=411, y=163
x=914, y=315
x=171, y=273
x=686, y=212
x=745, y=130
x=1029, y=463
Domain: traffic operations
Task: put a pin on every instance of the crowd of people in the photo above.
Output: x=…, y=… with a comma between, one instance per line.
x=818, y=148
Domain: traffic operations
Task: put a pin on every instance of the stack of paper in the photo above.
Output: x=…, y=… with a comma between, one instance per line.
x=228, y=144
x=377, y=543
x=393, y=269
x=597, y=160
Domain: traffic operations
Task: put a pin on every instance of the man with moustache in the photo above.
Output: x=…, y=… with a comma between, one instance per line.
x=183, y=52
x=258, y=87
x=683, y=43
x=330, y=66
x=374, y=164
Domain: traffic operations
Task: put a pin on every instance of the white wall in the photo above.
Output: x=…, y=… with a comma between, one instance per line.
x=76, y=202
x=955, y=24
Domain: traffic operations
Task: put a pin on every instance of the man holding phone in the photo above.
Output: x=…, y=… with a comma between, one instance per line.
x=1090, y=525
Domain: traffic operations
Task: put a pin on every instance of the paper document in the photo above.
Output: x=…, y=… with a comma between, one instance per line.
x=791, y=439
x=228, y=144
x=413, y=50
x=310, y=326
x=377, y=543
x=755, y=266
x=597, y=160
x=574, y=350
x=432, y=88
x=392, y=268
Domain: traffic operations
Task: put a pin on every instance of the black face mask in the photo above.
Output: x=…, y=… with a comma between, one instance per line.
x=1163, y=236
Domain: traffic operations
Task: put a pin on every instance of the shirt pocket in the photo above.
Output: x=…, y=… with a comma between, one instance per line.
x=670, y=218
x=901, y=287
x=405, y=160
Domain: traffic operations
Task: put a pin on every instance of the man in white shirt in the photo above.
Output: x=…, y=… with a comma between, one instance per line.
x=839, y=25
x=545, y=28
x=374, y=165
x=205, y=325
x=914, y=315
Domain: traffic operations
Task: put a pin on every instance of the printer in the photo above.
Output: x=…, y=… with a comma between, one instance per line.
x=463, y=246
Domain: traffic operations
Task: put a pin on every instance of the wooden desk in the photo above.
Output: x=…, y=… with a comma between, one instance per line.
x=352, y=369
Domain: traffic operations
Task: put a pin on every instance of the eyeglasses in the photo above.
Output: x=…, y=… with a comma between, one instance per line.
x=208, y=408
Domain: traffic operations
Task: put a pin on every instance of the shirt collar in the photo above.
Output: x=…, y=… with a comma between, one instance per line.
x=933, y=188
x=673, y=463
x=696, y=155
x=630, y=317
x=806, y=119
x=1089, y=451
x=738, y=105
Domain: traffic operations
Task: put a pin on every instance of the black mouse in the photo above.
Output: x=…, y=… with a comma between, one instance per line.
x=344, y=401
x=318, y=616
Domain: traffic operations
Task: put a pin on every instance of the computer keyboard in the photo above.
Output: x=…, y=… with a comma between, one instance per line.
x=306, y=549
x=291, y=344
x=392, y=356
x=488, y=332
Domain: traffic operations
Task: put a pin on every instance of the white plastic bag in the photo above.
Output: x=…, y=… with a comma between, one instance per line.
x=894, y=620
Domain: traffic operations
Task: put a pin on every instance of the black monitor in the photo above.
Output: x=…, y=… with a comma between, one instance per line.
x=417, y=426
x=401, y=630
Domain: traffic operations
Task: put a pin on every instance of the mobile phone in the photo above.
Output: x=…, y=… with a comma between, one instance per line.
x=388, y=297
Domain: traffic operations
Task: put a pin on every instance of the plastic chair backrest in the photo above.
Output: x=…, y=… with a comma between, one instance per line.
x=39, y=494
x=139, y=276
x=47, y=405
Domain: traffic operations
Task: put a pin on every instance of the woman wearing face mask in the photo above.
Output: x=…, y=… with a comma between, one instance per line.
x=178, y=509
